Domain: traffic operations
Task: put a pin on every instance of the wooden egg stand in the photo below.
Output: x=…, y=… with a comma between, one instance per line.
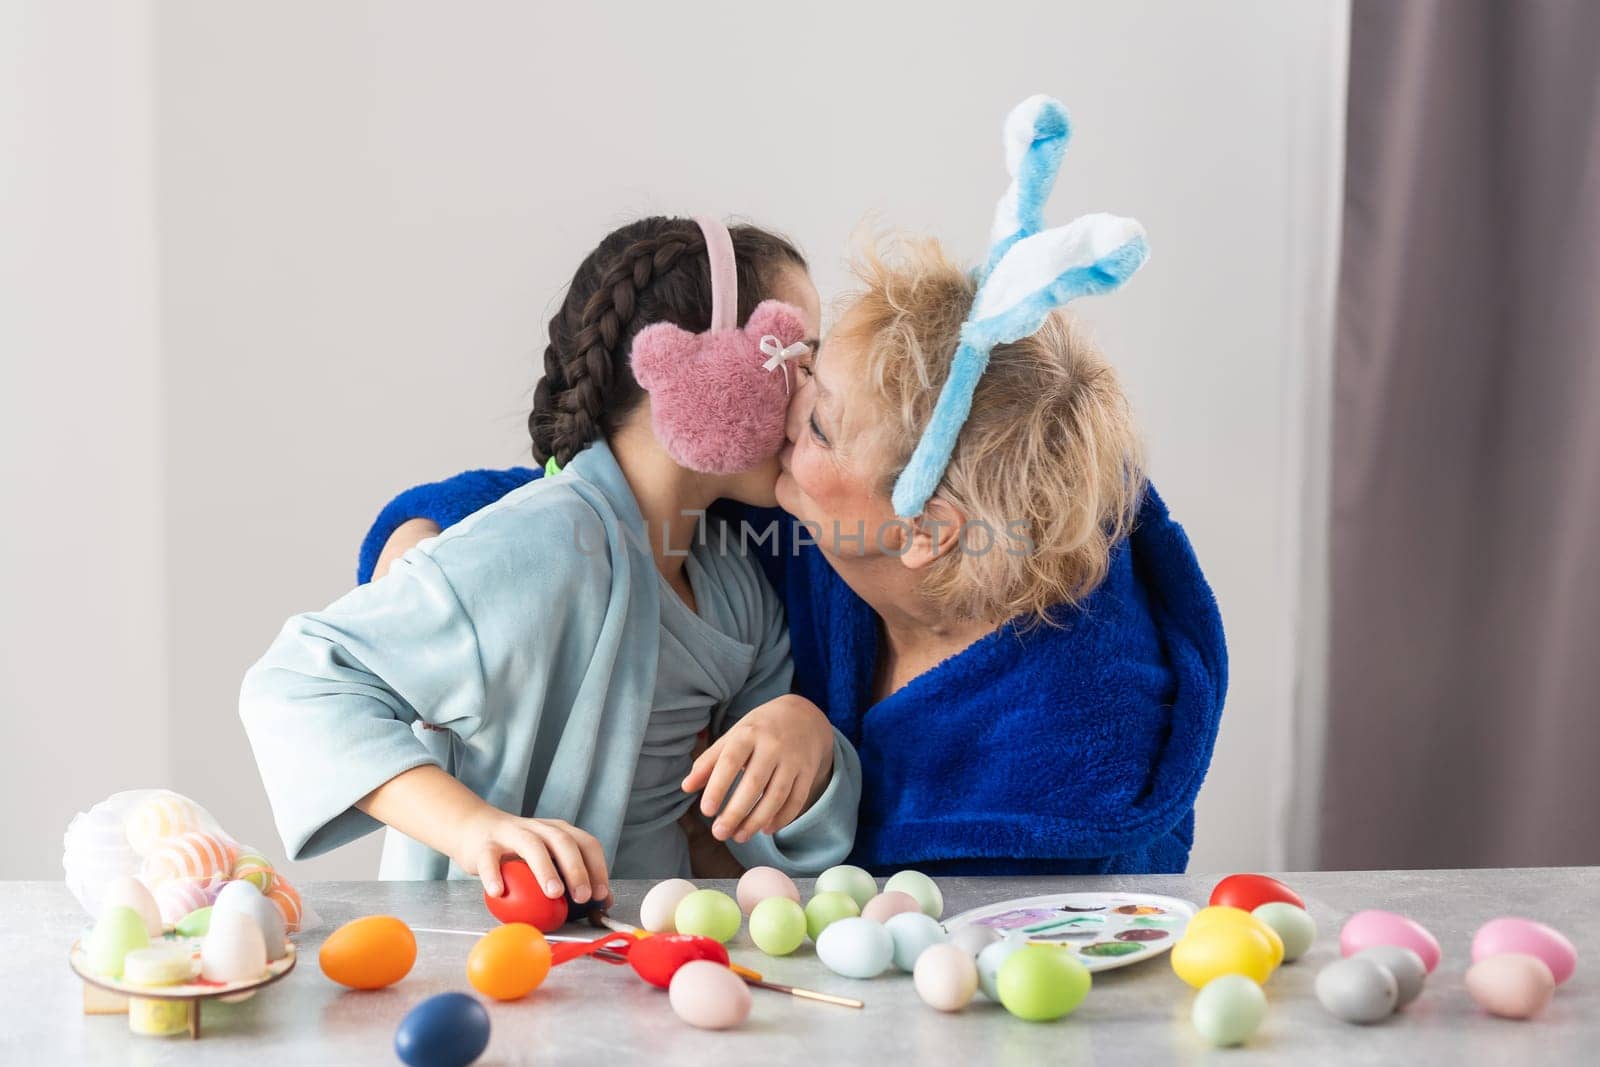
x=109, y=996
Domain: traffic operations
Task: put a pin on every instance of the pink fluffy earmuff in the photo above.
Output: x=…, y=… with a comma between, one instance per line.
x=719, y=399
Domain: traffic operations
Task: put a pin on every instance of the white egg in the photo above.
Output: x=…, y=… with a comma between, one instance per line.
x=945, y=977
x=855, y=948
x=243, y=897
x=661, y=903
x=128, y=892
x=989, y=961
x=914, y=933
x=233, y=949
x=974, y=937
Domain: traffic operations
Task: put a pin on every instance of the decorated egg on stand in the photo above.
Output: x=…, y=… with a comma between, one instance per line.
x=233, y=949
x=129, y=892
x=244, y=897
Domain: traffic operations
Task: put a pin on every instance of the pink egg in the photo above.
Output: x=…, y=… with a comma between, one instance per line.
x=1512, y=985
x=1511, y=934
x=708, y=995
x=885, y=906
x=759, y=883
x=1368, y=928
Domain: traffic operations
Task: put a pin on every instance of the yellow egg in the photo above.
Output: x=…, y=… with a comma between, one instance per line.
x=1228, y=917
x=369, y=953
x=1225, y=948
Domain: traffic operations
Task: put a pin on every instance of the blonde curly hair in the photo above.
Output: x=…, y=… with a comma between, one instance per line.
x=1049, y=451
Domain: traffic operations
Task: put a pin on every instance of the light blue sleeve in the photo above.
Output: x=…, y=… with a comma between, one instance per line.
x=444, y=661
x=824, y=833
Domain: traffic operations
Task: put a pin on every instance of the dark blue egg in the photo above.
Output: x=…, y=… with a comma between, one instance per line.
x=449, y=1030
x=578, y=911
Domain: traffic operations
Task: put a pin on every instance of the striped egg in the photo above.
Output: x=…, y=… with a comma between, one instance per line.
x=193, y=856
x=180, y=897
x=160, y=817
x=253, y=867
x=287, y=898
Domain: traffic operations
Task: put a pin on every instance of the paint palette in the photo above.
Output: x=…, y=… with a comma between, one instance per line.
x=1106, y=930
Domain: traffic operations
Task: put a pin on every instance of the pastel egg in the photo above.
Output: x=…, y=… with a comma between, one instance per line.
x=176, y=900
x=128, y=892
x=924, y=890
x=448, y=1030
x=759, y=883
x=1040, y=983
x=287, y=900
x=1406, y=966
x=657, y=958
x=991, y=959
x=118, y=931
x=1229, y=1010
x=824, y=909
x=973, y=938
x=1294, y=926
x=661, y=903
x=778, y=926
x=1514, y=985
x=523, y=899
x=94, y=850
x=1211, y=952
x=709, y=995
x=233, y=949
x=162, y=816
x=245, y=898
x=1367, y=928
x=850, y=880
x=855, y=948
x=194, y=855
x=367, y=953
x=709, y=913
x=913, y=934
x=1226, y=917
x=1248, y=892
x=888, y=904
x=195, y=924
x=509, y=961
x=1357, y=990
x=252, y=867
x=1510, y=934
x=945, y=977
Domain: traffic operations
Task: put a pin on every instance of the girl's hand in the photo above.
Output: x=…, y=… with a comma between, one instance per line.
x=785, y=749
x=547, y=845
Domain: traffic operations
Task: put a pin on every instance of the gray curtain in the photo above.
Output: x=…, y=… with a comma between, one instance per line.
x=1464, y=673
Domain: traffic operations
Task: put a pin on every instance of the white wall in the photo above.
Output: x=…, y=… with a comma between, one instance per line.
x=83, y=579
x=365, y=213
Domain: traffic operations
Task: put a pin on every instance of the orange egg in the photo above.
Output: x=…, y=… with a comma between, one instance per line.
x=369, y=953
x=509, y=961
x=287, y=898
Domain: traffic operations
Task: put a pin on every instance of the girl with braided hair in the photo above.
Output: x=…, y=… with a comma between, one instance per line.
x=533, y=682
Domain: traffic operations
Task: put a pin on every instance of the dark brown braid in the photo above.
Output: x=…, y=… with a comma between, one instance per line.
x=653, y=270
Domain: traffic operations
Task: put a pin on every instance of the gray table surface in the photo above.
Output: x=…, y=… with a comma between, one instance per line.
x=598, y=1014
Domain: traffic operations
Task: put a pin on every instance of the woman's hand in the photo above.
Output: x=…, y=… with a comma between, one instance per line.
x=785, y=749
x=547, y=846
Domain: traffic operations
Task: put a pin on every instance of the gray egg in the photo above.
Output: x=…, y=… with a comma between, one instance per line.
x=973, y=938
x=1358, y=990
x=1406, y=966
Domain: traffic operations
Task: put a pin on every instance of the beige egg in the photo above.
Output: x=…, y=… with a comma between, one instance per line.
x=661, y=903
x=885, y=906
x=129, y=892
x=759, y=883
x=945, y=977
x=709, y=995
x=233, y=949
x=1512, y=985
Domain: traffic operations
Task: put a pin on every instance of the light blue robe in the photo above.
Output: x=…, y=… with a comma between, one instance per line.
x=519, y=651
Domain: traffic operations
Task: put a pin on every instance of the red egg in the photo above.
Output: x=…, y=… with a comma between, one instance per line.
x=524, y=901
x=658, y=957
x=1248, y=892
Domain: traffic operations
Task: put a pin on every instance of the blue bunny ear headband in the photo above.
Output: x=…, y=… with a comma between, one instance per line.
x=1028, y=274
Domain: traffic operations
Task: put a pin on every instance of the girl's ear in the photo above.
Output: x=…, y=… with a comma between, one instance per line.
x=658, y=351
x=934, y=533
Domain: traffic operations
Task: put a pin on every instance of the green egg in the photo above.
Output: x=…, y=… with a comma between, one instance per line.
x=195, y=924
x=777, y=926
x=920, y=888
x=1229, y=1009
x=709, y=913
x=850, y=880
x=826, y=908
x=1042, y=983
x=119, y=931
x=1294, y=926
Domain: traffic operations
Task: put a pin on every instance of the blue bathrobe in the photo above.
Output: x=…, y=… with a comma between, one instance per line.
x=1076, y=749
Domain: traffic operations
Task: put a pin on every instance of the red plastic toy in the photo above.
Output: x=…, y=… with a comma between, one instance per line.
x=1249, y=891
x=524, y=901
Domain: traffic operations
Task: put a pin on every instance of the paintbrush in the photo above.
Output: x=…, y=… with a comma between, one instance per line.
x=606, y=922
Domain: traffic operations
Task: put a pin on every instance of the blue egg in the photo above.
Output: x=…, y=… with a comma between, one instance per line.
x=449, y=1030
